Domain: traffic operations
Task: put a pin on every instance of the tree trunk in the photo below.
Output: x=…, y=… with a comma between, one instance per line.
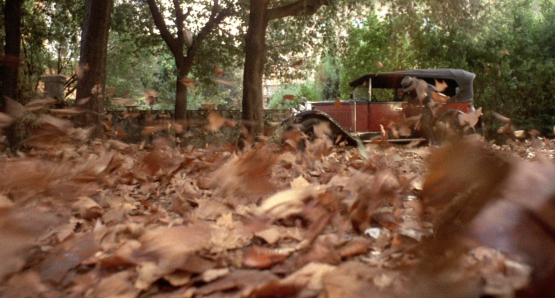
x=184, y=65
x=255, y=58
x=93, y=60
x=10, y=62
x=180, y=112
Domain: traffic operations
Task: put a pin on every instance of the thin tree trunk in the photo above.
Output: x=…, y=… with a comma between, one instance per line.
x=255, y=54
x=255, y=58
x=93, y=60
x=180, y=112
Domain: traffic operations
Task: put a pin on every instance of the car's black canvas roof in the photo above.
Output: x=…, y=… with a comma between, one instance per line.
x=453, y=77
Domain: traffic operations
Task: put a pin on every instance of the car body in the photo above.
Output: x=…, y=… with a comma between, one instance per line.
x=374, y=107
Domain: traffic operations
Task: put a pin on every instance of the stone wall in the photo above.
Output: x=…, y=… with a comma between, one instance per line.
x=132, y=124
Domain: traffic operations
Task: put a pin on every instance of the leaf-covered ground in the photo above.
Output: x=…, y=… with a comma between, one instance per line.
x=108, y=219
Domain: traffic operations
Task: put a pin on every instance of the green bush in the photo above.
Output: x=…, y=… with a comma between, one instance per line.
x=300, y=93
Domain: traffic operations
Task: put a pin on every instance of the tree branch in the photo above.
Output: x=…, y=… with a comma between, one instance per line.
x=298, y=8
x=180, y=22
x=173, y=43
x=214, y=20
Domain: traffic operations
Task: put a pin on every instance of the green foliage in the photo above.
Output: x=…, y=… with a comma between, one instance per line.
x=374, y=42
x=50, y=34
x=508, y=44
x=300, y=92
x=328, y=77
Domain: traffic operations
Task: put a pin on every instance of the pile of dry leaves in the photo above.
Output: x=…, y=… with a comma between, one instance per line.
x=108, y=219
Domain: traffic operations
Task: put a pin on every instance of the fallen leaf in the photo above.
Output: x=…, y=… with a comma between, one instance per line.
x=40, y=103
x=224, y=82
x=309, y=278
x=82, y=101
x=262, y=257
x=471, y=118
x=218, y=71
x=5, y=120
x=215, y=122
x=123, y=101
x=19, y=229
x=67, y=112
x=337, y=104
x=440, y=86
x=298, y=63
x=288, y=97
x=189, y=82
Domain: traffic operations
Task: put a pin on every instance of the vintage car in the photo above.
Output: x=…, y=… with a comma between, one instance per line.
x=375, y=108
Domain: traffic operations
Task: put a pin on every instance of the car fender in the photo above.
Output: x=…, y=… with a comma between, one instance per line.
x=336, y=128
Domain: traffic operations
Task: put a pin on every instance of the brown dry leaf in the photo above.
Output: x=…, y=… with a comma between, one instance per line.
x=149, y=272
x=440, y=86
x=178, y=278
x=299, y=183
x=379, y=64
x=96, y=90
x=224, y=82
x=187, y=36
x=5, y=120
x=26, y=284
x=248, y=174
x=66, y=256
x=271, y=235
x=60, y=124
x=80, y=70
x=470, y=119
x=87, y=208
x=82, y=101
x=440, y=97
x=288, y=97
x=291, y=138
x=123, y=101
x=117, y=285
x=13, y=108
x=337, y=104
x=189, y=82
x=298, y=63
x=213, y=274
x=353, y=279
x=322, y=129
x=215, y=122
x=151, y=96
x=243, y=281
x=262, y=257
x=19, y=229
x=40, y=103
x=356, y=247
x=285, y=203
x=503, y=119
x=218, y=71
x=173, y=247
x=308, y=278
x=67, y=112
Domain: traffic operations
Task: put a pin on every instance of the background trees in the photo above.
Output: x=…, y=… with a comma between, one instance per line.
x=509, y=45
x=186, y=44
